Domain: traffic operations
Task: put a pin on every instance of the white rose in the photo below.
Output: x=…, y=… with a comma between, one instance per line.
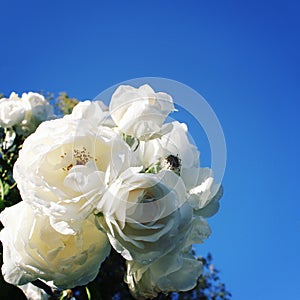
x=140, y=112
x=32, y=249
x=205, y=195
x=174, y=271
x=142, y=214
x=175, y=152
x=65, y=166
x=12, y=111
x=172, y=151
x=25, y=113
x=95, y=112
x=38, y=111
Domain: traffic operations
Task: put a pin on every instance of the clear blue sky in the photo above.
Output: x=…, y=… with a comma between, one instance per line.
x=242, y=56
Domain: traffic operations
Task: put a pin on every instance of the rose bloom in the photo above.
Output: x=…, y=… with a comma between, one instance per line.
x=172, y=150
x=32, y=249
x=12, y=111
x=175, y=152
x=142, y=214
x=96, y=112
x=24, y=113
x=140, y=112
x=64, y=168
x=38, y=111
x=174, y=271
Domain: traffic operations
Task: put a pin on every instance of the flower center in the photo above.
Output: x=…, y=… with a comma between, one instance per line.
x=79, y=157
x=152, y=100
x=172, y=163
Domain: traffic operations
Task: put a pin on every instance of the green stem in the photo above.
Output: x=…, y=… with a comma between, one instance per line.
x=12, y=186
x=2, y=190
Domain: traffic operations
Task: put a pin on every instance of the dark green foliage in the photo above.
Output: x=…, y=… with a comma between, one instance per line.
x=9, y=194
x=10, y=292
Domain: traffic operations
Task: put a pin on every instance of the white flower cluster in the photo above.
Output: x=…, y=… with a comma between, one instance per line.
x=24, y=113
x=110, y=176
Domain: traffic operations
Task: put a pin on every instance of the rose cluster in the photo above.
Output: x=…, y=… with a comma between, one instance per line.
x=25, y=113
x=102, y=177
x=21, y=116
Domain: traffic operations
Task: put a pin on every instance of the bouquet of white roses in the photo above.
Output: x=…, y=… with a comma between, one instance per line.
x=102, y=177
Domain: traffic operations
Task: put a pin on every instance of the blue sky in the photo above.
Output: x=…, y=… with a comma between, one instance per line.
x=242, y=56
